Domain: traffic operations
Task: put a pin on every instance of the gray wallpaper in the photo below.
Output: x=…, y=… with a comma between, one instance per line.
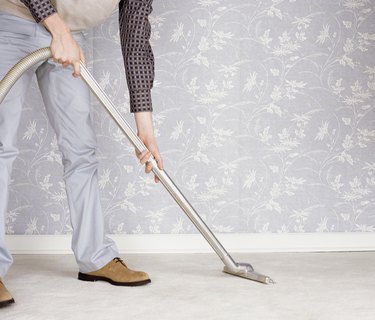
x=264, y=114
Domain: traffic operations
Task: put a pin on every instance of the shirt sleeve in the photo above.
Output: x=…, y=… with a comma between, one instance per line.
x=135, y=32
x=40, y=9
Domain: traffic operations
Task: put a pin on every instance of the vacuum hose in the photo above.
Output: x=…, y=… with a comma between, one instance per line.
x=20, y=68
x=244, y=270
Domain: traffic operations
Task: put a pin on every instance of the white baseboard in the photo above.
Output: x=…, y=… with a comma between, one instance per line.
x=194, y=243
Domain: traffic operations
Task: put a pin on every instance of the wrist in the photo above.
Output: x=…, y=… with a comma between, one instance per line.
x=146, y=134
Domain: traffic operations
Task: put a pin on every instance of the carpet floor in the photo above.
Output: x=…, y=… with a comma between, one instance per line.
x=309, y=286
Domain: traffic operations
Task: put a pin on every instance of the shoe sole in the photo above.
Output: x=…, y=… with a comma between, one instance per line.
x=87, y=277
x=4, y=304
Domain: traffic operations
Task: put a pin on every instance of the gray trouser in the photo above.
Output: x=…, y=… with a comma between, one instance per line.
x=67, y=105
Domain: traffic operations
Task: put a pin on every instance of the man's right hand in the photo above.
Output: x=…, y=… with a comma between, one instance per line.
x=145, y=132
x=65, y=49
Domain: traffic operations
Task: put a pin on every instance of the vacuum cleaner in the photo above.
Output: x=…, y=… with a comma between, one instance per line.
x=244, y=270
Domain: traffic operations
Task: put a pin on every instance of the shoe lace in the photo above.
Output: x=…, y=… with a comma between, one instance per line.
x=120, y=260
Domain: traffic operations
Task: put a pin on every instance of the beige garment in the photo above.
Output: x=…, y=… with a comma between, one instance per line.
x=77, y=14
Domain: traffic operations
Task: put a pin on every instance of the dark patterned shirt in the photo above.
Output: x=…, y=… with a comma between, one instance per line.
x=135, y=31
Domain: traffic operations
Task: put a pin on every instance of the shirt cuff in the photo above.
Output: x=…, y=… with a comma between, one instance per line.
x=140, y=101
x=41, y=9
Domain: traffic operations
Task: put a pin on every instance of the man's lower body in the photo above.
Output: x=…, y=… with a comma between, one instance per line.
x=67, y=105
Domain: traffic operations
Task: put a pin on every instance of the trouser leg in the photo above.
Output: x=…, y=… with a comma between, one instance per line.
x=67, y=104
x=10, y=113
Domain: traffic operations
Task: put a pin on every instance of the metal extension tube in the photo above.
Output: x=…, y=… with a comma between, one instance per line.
x=244, y=270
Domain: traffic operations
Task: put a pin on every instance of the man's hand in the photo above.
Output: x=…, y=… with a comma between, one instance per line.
x=146, y=134
x=65, y=49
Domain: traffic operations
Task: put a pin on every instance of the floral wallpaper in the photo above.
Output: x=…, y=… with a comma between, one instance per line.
x=264, y=114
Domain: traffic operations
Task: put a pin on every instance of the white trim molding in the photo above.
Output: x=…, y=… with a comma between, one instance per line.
x=195, y=243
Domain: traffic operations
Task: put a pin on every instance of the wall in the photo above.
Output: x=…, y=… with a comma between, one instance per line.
x=264, y=115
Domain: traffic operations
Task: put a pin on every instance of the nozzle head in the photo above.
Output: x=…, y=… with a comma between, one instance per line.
x=245, y=270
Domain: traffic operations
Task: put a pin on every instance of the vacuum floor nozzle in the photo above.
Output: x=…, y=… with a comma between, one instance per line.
x=245, y=270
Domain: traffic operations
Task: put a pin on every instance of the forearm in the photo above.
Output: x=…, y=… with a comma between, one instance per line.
x=145, y=132
x=144, y=124
x=44, y=12
x=135, y=32
x=56, y=25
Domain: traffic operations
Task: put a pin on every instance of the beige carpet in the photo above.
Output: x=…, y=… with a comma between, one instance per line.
x=310, y=286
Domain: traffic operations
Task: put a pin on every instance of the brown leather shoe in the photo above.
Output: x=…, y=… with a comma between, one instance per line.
x=5, y=297
x=117, y=273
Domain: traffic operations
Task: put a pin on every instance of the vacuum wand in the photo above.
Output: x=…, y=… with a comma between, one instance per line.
x=243, y=270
